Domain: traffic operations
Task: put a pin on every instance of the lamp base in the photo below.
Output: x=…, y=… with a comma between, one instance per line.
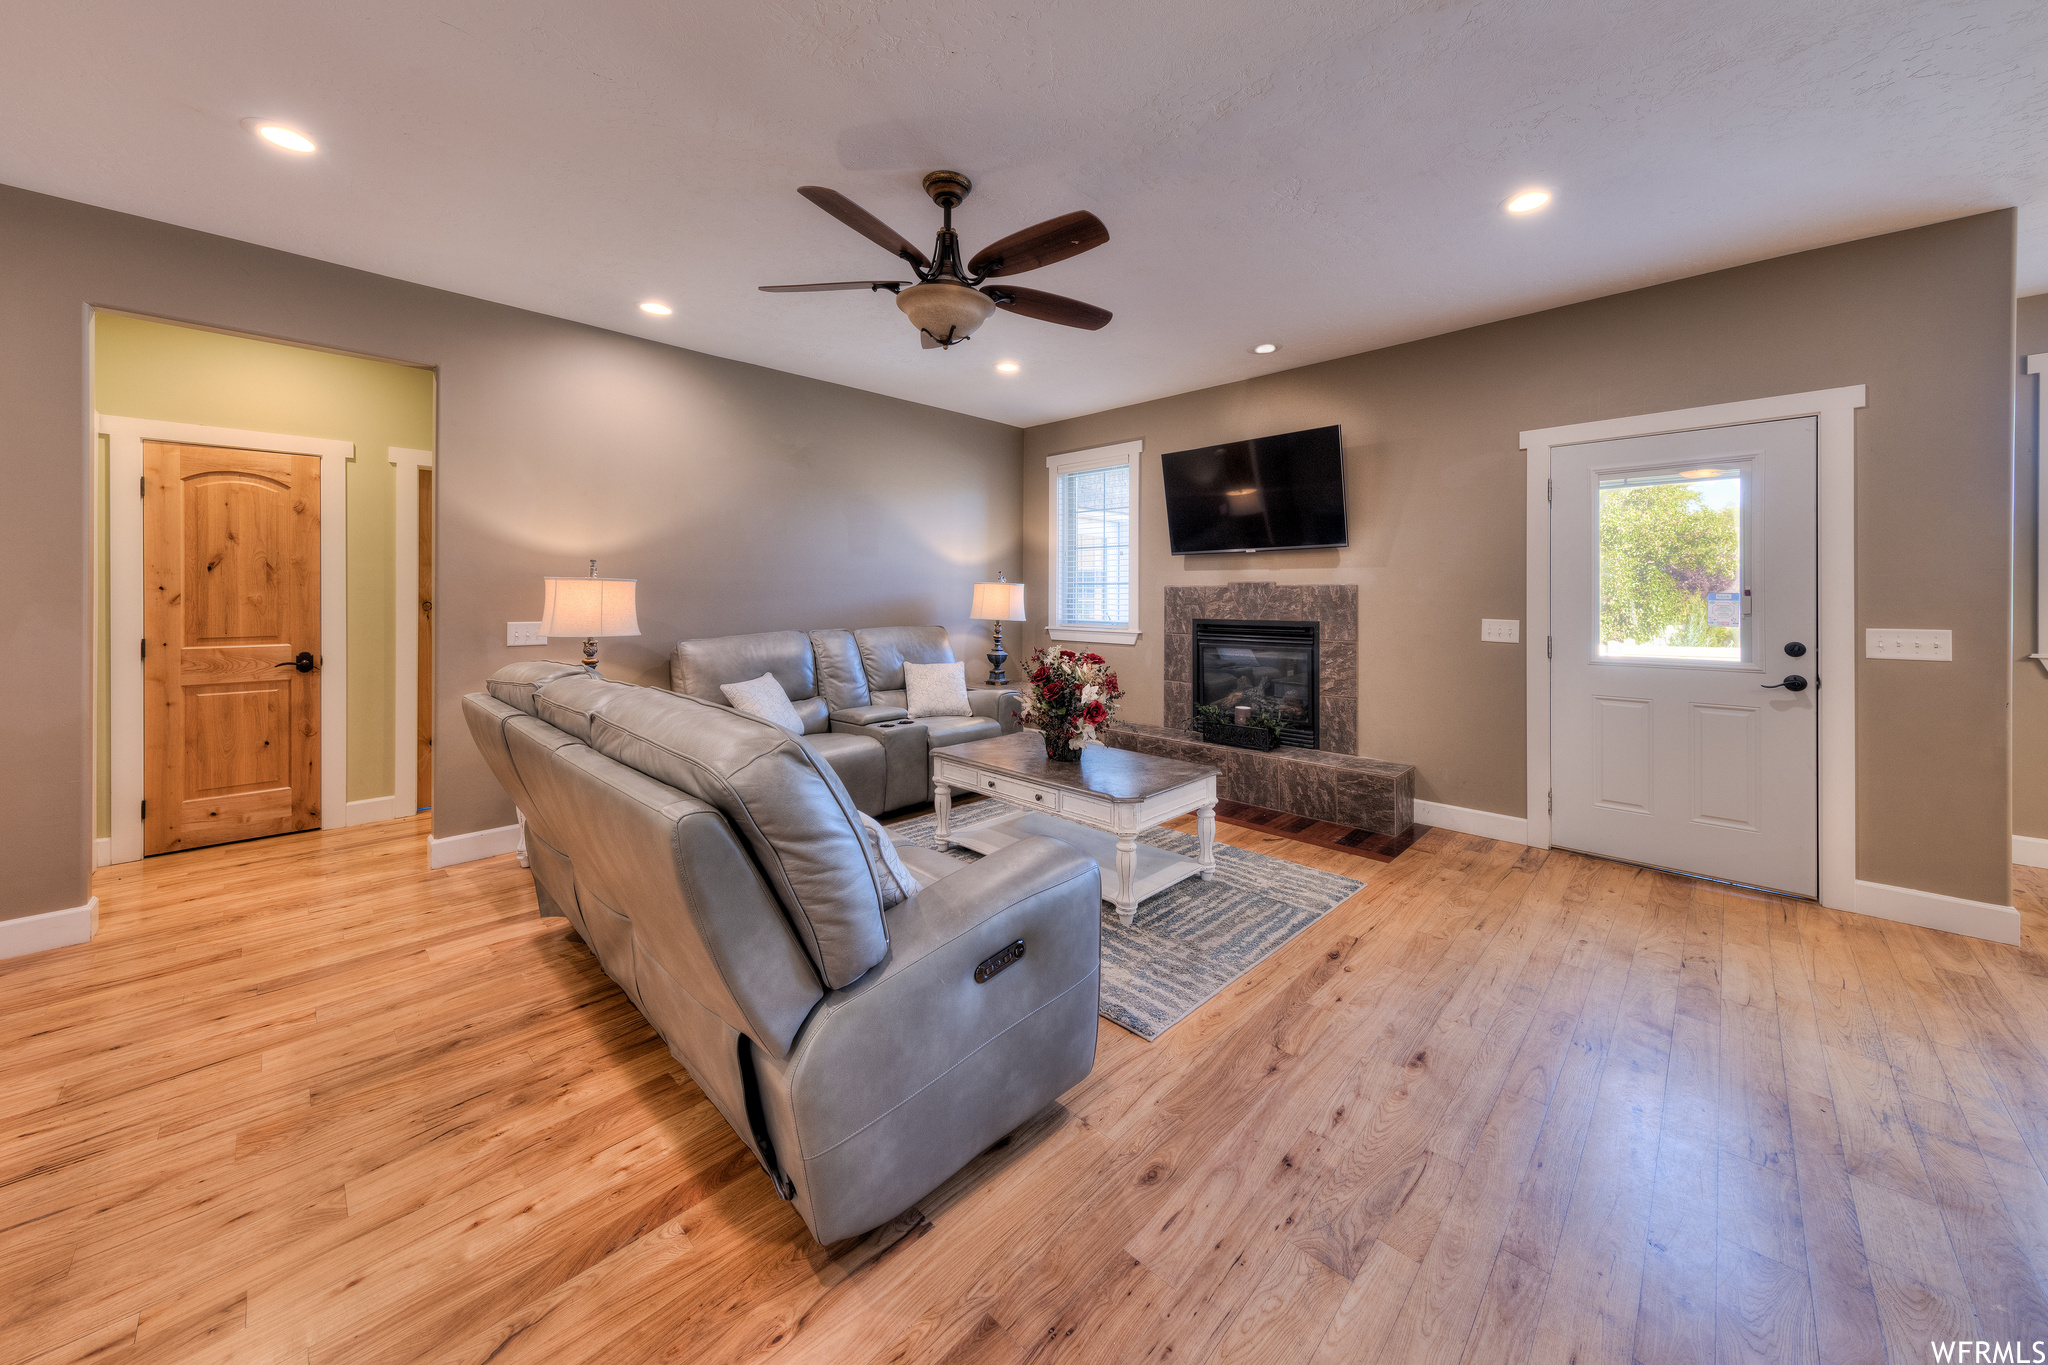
x=590, y=657
x=996, y=659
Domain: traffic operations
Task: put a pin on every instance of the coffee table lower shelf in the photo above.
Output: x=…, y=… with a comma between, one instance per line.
x=1155, y=870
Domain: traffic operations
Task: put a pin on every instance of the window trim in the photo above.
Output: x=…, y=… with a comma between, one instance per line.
x=1098, y=457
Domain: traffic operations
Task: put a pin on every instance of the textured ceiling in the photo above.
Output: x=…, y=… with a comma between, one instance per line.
x=1322, y=175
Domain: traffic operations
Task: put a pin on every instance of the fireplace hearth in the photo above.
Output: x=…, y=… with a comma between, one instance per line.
x=1269, y=666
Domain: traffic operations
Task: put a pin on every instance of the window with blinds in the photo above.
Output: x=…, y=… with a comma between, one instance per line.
x=1092, y=558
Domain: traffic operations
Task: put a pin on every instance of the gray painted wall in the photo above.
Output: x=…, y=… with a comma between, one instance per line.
x=741, y=498
x=1435, y=480
x=758, y=500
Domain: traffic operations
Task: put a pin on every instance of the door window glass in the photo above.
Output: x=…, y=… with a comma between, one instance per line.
x=1671, y=564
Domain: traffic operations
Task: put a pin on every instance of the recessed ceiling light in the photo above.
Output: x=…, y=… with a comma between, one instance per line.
x=277, y=135
x=660, y=310
x=1264, y=348
x=1528, y=201
x=1006, y=366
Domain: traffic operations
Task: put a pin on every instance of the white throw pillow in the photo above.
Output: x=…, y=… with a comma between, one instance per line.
x=764, y=699
x=898, y=885
x=937, y=689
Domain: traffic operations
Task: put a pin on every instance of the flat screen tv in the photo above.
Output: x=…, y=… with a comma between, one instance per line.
x=1274, y=493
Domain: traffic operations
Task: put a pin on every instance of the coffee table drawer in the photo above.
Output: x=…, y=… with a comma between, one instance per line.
x=1090, y=808
x=1022, y=793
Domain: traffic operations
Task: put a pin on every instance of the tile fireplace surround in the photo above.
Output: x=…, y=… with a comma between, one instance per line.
x=1329, y=782
x=1332, y=606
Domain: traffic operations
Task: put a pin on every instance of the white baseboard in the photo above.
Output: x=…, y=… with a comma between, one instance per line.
x=2028, y=851
x=103, y=852
x=1952, y=914
x=1484, y=823
x=467, y=848
x=51, y=929
x=376, y=808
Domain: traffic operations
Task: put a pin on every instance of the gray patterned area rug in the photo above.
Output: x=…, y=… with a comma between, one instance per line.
x=1192, y=939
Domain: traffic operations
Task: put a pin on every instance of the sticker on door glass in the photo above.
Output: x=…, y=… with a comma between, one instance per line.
x=1671, y=564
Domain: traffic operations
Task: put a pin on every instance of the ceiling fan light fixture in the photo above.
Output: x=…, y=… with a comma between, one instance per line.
x=1528, y=201
x=947, y=313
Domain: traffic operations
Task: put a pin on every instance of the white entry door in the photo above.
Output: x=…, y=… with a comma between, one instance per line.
x=1684, y=668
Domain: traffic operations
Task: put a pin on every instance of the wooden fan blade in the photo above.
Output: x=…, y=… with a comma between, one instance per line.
x=865, y=223
x=891, y=285
x=1033, y=303
x=1053, y=240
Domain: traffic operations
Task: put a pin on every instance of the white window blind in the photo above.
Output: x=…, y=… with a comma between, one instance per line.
x=1093, y=556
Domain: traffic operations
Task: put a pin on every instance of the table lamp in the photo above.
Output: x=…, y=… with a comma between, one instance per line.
x=591, y=607
x=999, y=601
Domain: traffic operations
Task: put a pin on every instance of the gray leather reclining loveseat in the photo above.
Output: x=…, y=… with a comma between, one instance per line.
x=717, y=868
x=847, y=685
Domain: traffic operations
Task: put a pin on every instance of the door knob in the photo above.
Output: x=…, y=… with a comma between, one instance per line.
x=304, y=663
x=1793, y=683
x=1795, y=649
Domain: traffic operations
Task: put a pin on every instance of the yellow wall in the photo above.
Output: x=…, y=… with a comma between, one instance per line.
x=185, y=374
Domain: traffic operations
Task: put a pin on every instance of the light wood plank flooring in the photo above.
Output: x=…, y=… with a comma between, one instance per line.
x=305, y=1100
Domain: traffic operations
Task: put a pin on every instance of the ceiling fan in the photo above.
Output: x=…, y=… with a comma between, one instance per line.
x=949, y=300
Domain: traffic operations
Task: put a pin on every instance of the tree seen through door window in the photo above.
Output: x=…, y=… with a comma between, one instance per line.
x=1667, y=544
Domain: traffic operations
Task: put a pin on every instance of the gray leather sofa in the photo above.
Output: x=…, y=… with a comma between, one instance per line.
x=848, y=687
x=715, y=865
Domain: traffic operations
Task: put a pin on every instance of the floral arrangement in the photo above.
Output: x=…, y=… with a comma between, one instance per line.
x=1070, y=698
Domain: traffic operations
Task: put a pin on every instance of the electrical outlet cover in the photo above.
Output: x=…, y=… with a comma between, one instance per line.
x=1931, y=645
x=1501, y=632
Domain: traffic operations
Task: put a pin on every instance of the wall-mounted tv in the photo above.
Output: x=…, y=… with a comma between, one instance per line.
x=1274, y=493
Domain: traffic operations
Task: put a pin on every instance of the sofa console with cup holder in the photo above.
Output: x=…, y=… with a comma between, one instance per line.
x=848, y=690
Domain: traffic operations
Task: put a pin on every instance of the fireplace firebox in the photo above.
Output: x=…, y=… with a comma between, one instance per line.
x=1267, y=665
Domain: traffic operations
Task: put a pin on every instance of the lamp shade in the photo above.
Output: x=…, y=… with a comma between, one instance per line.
x=946, y=312
x=998, y=602
x=584, y=608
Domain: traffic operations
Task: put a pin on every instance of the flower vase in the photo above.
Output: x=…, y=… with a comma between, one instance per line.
x=1057, y=750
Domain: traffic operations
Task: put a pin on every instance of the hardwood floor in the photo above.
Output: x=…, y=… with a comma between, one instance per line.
x=304, y=1100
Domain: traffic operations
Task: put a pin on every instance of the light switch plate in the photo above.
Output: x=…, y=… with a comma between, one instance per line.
x=1908, y=644
x=524, y=633
x=1501, y=632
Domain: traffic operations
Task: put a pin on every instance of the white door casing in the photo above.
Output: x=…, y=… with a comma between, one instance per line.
x=1692, y=755
x=125, y=436
x=1836, y=411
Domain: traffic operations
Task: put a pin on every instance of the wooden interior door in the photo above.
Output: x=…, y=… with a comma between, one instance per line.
x=423, y=793
x=231, y=579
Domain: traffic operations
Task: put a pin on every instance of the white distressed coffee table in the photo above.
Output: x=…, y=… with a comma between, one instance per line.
x=1099, y=805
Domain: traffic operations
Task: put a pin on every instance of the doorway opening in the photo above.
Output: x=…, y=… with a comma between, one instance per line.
x=423, y=632
x=1684, y=715
x=412, y=614
x=1834, y=628
x=267, y=535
